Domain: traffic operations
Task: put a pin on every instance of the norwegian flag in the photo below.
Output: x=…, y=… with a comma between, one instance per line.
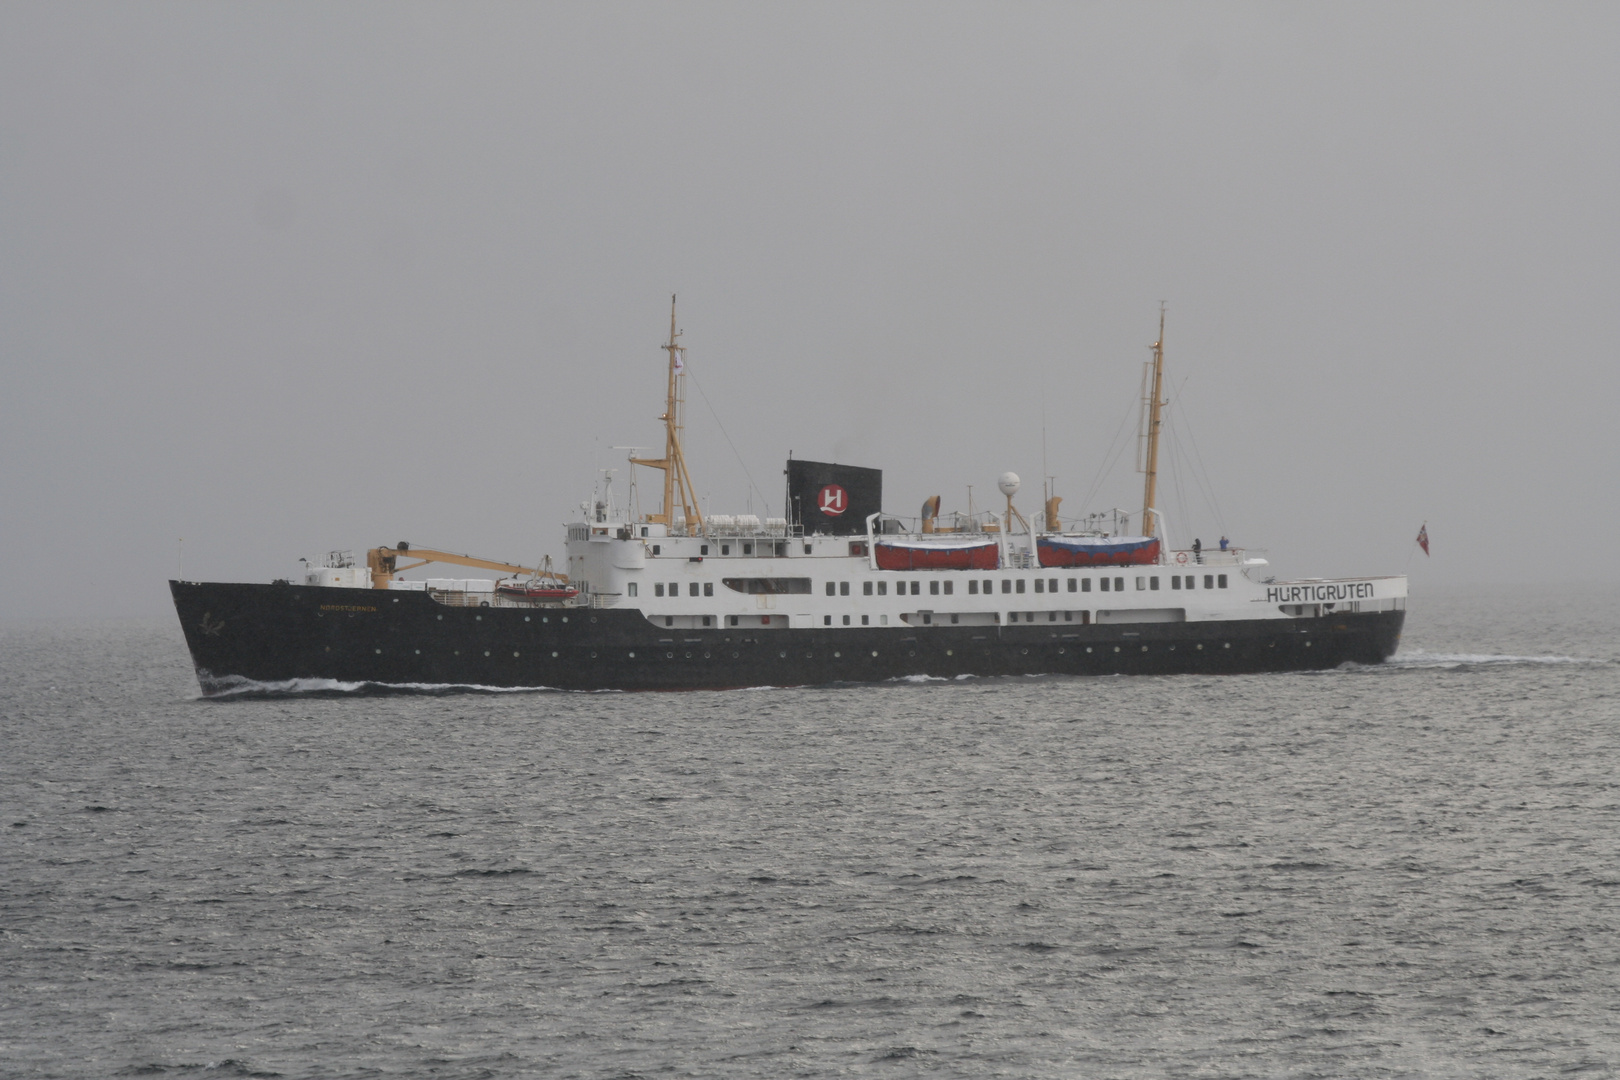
x=1423, y=538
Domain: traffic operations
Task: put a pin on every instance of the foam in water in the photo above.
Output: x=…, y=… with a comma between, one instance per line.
x=1420, y=659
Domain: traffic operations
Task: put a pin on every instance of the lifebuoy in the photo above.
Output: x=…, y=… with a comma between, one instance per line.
x=1181, y=556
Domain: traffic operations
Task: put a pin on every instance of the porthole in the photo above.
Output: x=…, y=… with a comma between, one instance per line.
x=689, y=656
x=1024, y=652
x=329, y=648
x=1200, y=645
x=543, y=618
x=1144, y=648
x=632, y=654
x=783, y=655
x=950, y=652
x=913, y=652
x=837, y=654
x=456, y=653
x=593, y=618
x=525, y=618
x=1088, y=648
x=1228, y=645
x=486, y=652
x=418, y=652
x=1061, y=650
x=1116, y=648
x=379, y=652
x=874, y=652
x=593, y=654
x=734, y=656
x=439, y=617
x=396, y=599
x=514, y=653
x=1307, y=645
x=669, y=656
x=705, y=656
x=322, y=615
x=478, y=618
x=554, y=654
x=564, y=618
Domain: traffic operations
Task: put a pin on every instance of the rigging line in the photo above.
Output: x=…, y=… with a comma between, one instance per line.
x=722, y=427
x=1108, y=466
x=1176, y=457
x=1215, y=505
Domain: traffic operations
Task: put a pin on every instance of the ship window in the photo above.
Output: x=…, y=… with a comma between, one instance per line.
x=1072, y=584
x=656, y=548
x=1006, y=585
x=1209, y=581
x=781, y=549
x=1040, y=585
x=956, y=618
x=731, y=619
x=1020, y=585
x=866, y=588
x=883, y=588
x=846, y=620
x=1068, y=616
x=1141, y=584
x=703, y=549
x=973, y=588
x=1104, y=584
x=1153, y=582
x=669, y=620
x=692, y=588
x=950, y=587
x=916, y=588
x=748, y=549
x=1085, y=584
x=658, y=589
x=631, y=589
x=866, y=620
x=933, y=588
x=725, y=549
x=706, y=619
x=843, y=588
x=807, y=549
x=644, y=530
x=708, y=588
x=1175, y=581
x=826, y=620
x=1051, y=616
x=1222, y=581
x=928, y=617
x=832, y=588
x=1119, y=584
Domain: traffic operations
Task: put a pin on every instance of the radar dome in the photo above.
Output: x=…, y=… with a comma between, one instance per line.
x=1009, y=484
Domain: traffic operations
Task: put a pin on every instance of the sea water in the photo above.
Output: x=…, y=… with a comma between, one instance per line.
x=1406, y=870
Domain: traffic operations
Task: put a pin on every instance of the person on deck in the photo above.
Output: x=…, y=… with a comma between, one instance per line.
x=1198, y=550
x=1223, y=543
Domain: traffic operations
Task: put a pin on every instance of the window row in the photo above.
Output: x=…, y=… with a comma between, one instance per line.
x=1144, y=583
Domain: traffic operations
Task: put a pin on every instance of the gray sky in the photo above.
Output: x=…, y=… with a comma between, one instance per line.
x=284, y=278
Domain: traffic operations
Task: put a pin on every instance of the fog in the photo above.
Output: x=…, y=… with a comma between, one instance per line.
x=281, y=279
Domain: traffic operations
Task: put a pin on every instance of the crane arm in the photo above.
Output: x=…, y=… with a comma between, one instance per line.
x=384, y=563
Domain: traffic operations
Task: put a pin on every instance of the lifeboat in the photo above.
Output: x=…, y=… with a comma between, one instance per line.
x=937, y=554
x=537, y=589
x=1098, y=550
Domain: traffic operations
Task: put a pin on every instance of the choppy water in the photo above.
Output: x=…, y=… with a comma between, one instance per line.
x=1402, y=871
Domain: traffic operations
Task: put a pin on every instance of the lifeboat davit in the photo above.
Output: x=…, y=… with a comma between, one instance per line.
x=1098, y=550
x=937, y=554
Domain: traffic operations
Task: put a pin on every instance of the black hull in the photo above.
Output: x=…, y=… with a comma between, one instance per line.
x=242, y=634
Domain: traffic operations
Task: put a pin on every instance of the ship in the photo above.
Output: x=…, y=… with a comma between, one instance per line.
x=833, y=591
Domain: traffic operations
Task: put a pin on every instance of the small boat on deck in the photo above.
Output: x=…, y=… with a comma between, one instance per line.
x=931, y=553
x=537, y=589
x=1097, y=550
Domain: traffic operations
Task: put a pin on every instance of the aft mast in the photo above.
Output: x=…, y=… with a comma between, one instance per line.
x=1155, y=404
x=677, y=481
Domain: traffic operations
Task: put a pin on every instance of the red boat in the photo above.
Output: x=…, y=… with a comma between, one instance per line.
x=937, y=554
x=537, y=589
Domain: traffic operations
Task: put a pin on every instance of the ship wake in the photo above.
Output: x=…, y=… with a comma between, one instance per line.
x=238, y=688
x=1418, y=658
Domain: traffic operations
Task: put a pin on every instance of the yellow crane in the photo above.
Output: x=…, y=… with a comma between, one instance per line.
x=384, y=563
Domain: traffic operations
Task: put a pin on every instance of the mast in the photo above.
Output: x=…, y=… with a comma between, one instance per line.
x=1155, y=403
x=677, y=481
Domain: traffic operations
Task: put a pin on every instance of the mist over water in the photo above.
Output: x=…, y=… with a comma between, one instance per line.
x=1407, y=870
